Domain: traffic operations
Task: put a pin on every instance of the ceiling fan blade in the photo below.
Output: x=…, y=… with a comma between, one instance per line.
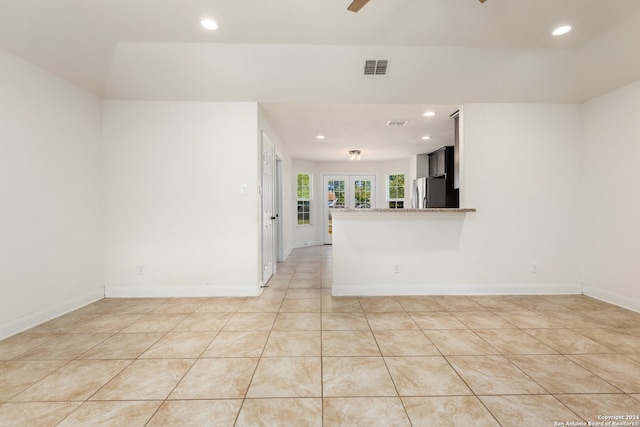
x=356, y=5
x=482, y=1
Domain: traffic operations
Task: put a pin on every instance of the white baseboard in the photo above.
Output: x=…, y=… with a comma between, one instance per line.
x=612, y=298
x=34, y=319
x=465, y=289
x=181, y=291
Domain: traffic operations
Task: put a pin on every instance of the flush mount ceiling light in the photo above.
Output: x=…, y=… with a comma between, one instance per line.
x=426, y=137
x=429, y=114
x=320, y=137
x=561, y=30
x=209, y=24
x=354, y=154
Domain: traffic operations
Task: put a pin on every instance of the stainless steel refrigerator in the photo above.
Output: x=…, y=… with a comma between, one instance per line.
x=429, y=193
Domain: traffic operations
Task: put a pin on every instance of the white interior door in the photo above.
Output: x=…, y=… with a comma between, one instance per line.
x=346, y=191
x=268, y=209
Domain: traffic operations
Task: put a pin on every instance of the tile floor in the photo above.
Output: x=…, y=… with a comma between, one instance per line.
x=298, y=357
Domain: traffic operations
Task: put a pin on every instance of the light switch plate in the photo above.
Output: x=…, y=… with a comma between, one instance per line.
x=244, y=190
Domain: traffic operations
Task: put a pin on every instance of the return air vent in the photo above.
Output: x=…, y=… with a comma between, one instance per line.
x=397, y=122
x=376, y=67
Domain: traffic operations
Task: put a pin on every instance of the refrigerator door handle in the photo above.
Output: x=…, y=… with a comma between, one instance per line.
x=425, y=202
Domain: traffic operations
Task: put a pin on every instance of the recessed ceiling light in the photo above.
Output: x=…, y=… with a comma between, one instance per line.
x=562, y=30
x=429, y=114
x=426, y=137
x=209, y=24
x=320, y=137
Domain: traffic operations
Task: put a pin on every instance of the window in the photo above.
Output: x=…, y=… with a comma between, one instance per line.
x=396, y=191
x=304, y=199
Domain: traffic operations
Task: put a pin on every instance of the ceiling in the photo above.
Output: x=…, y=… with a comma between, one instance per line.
x=303, y=59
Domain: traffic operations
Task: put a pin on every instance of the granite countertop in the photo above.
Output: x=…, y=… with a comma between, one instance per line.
x=401, y=211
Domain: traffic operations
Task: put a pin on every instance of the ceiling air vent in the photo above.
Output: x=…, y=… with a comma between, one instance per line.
x=397, y=122
x=376, y=67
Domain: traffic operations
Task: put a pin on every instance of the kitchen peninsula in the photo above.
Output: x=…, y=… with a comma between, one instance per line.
x=395, y=251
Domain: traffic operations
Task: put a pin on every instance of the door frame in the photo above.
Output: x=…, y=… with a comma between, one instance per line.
x=267, y=210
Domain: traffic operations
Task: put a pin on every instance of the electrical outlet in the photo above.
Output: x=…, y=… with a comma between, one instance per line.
x=534, y=267
x=140, y=269
x=396, y=268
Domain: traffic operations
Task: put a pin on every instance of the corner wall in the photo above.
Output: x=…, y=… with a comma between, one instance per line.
x=611, y=196
x=50, y=182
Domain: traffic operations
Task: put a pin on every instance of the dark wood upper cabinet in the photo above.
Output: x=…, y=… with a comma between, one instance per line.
x=441, y=165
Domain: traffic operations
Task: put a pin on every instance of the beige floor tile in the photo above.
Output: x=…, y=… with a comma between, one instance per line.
x=180, y=305
x=496, y=303
x=356, y=376
x=306, y=276
x=436, y=320
x=635, y=357
x=419, y=304
x=344, y=322
x=88, y=377
x=275, y=284
x=155, y=323
x=570, y=319
x=134, y=305
x=615, y=317
x=293, y=343
x=123, y=346
x=514, y=341
x=482, y=320
x=405, y=343
x=196, y=413
x=303, y=294
x=458, y=303
x=287, y=377
x=297, y=322
x=65, y=347
x=390, y=321
x=380, y=305
x=19, y=344
x=237, y=344
x=260, y=305
x=534, y=303
x=180, y=345
x=490, y=375
x=425, y=376
x=203, y=322
x=589, y=406
x=106, y=323
x=558, y=374
x=613, y=368
x=459, y=342
x=516, y=411
x=364, y=412
x=250, y=322
x=281, y=412
x=300, y=305
x=220, y=305
x=567, y=341
x=17, y=376
x=618, y=340
x=448, y=411
x=341, y=305
x=306, y=284
x=114, y=414
x=274, y=293
x=528, y=319
x=35, y=414
x=220, y=378
x=145, y=380
x=349, y=343
x=59, y=325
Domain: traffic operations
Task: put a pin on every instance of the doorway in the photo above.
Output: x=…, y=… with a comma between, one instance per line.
x=346, y=192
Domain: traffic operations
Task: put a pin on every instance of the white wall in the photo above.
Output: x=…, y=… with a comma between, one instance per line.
x=611, y=194
x=50, y=181
x=172, y=176
x=522, y=174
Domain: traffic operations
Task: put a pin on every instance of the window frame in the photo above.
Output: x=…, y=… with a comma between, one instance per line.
x=307, y=200
x=396, y=200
